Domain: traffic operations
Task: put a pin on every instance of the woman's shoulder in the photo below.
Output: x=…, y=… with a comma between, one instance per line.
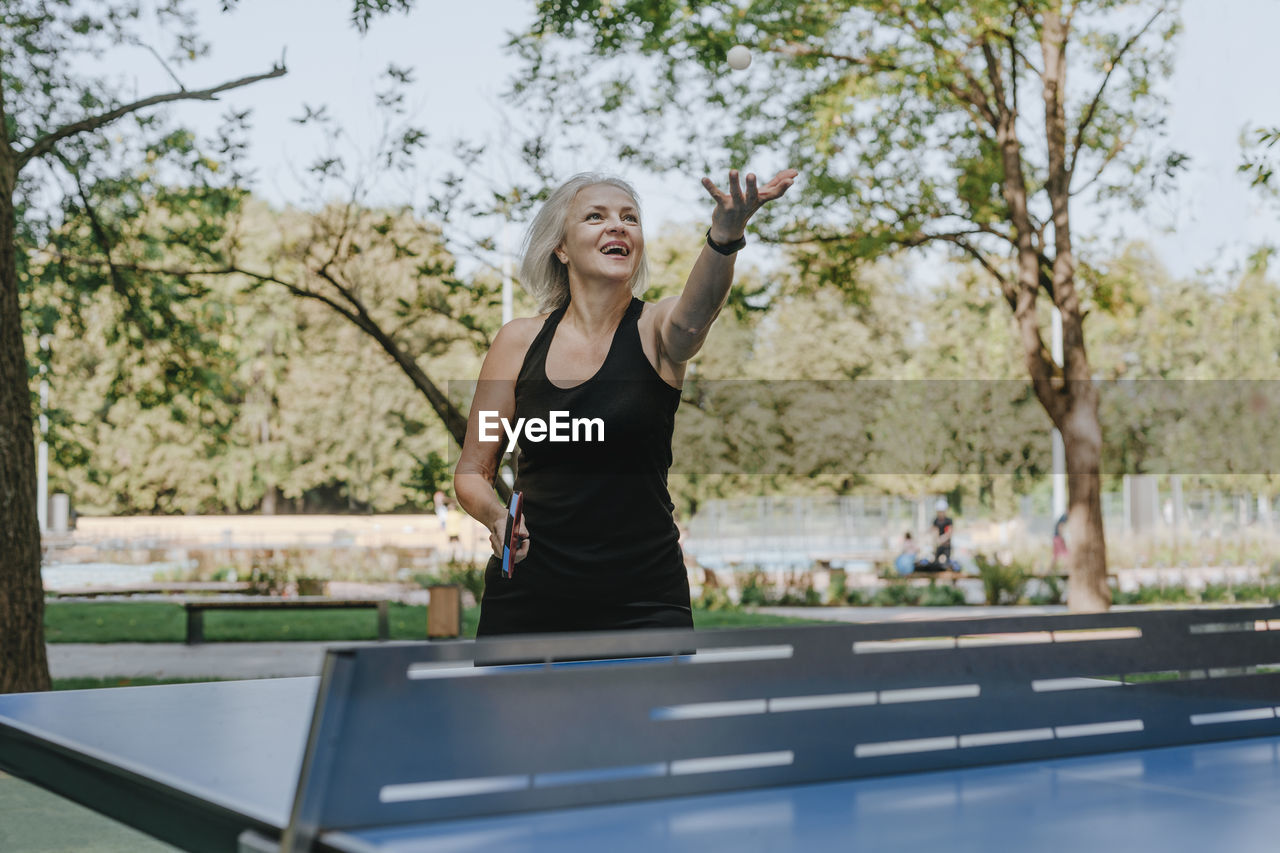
x=510, y=345
x=521, y=331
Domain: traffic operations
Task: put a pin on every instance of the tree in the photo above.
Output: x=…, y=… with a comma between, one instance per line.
x=351, y=257
x=974, y=127
x=311, y=415
x=56, y=157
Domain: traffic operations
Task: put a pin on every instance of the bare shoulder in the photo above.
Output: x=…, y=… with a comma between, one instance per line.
x=521, y=331
x=509, y=346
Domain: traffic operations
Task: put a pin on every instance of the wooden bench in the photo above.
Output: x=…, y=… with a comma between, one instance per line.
x=947, y=577
x=196, y=610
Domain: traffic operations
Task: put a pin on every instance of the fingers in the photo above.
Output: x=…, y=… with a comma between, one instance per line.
x=754, y=195
x=780, y=184
x=713, y=190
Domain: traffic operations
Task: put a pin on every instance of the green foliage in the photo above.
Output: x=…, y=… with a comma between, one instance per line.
x=1215, y=593
x=939, y=595
x=897, y=594
x=837, y=592
x=854, y=598
x=1053, y=590
x=1259, y=163
x=469, y=576
x=756, y=591
x=1002, y=583
x=896, y=137
x=311, y=417
x=714, y=599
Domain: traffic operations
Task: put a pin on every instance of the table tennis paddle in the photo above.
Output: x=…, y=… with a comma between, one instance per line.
x=515, y=511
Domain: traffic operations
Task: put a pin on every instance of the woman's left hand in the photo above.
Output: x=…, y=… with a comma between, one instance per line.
x=735, y=208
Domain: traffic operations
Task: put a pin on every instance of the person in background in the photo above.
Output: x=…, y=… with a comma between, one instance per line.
x=905, y=562
x=1060, y=550
x=440, y=502
x=943, y=527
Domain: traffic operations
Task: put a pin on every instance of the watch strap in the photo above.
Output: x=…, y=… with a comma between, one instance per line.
x=726, y=248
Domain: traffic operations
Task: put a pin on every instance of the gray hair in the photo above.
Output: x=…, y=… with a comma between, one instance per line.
x=542, y=274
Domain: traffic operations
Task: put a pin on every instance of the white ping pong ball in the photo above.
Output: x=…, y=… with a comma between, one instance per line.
x=739, y=57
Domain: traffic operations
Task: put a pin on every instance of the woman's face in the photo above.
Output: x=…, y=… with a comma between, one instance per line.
x=602, y=237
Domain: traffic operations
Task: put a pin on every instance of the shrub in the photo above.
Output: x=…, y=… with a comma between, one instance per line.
x=1251, y=592
x=714, y=598
x=1003, y=584
x=897, y=594
x=837, y=592
x=756, y=591
x=941, y=596
x=1173, y=594
x=855, y=597
x=466, y=575
x=1214, y=593
x=1053, y=589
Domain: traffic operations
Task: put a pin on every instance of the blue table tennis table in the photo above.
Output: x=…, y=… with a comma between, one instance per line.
x=1118, y=731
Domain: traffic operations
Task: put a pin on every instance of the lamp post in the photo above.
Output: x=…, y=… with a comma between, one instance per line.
x=1059, y=449
x=42, y=456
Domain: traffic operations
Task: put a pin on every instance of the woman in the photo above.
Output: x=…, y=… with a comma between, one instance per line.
x=599, y=547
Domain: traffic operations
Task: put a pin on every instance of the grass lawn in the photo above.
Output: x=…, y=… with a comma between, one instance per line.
x=159, y=622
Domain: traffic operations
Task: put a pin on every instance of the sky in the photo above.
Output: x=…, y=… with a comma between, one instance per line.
x=1223, y=83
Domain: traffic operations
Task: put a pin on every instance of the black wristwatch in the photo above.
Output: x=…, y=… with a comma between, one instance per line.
x=726, y=248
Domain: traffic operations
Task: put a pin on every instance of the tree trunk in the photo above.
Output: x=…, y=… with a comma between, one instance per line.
x=23, y=664
x=1087, y=589
x=1077, y=415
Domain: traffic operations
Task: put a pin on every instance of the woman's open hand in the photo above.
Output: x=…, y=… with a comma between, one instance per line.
x=735, y=208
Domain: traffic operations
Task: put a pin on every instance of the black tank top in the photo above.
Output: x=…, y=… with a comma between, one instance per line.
x=599, y=513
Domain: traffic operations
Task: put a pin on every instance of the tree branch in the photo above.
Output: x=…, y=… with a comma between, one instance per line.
x=44, y=144
x=6, y=144
x=1006, y=286
x=1089, y=112
x=1112, y=153
x=796, y=49
x=96, y=226
x=975, y=95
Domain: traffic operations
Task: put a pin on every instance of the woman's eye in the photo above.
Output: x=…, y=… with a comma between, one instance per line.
x=593, y=216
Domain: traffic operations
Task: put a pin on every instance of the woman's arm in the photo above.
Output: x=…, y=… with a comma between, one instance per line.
x=683, y=321
x=478, y=463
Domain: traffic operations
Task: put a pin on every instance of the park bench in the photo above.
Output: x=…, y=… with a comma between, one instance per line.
x=196, y=609
x=948, y=577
